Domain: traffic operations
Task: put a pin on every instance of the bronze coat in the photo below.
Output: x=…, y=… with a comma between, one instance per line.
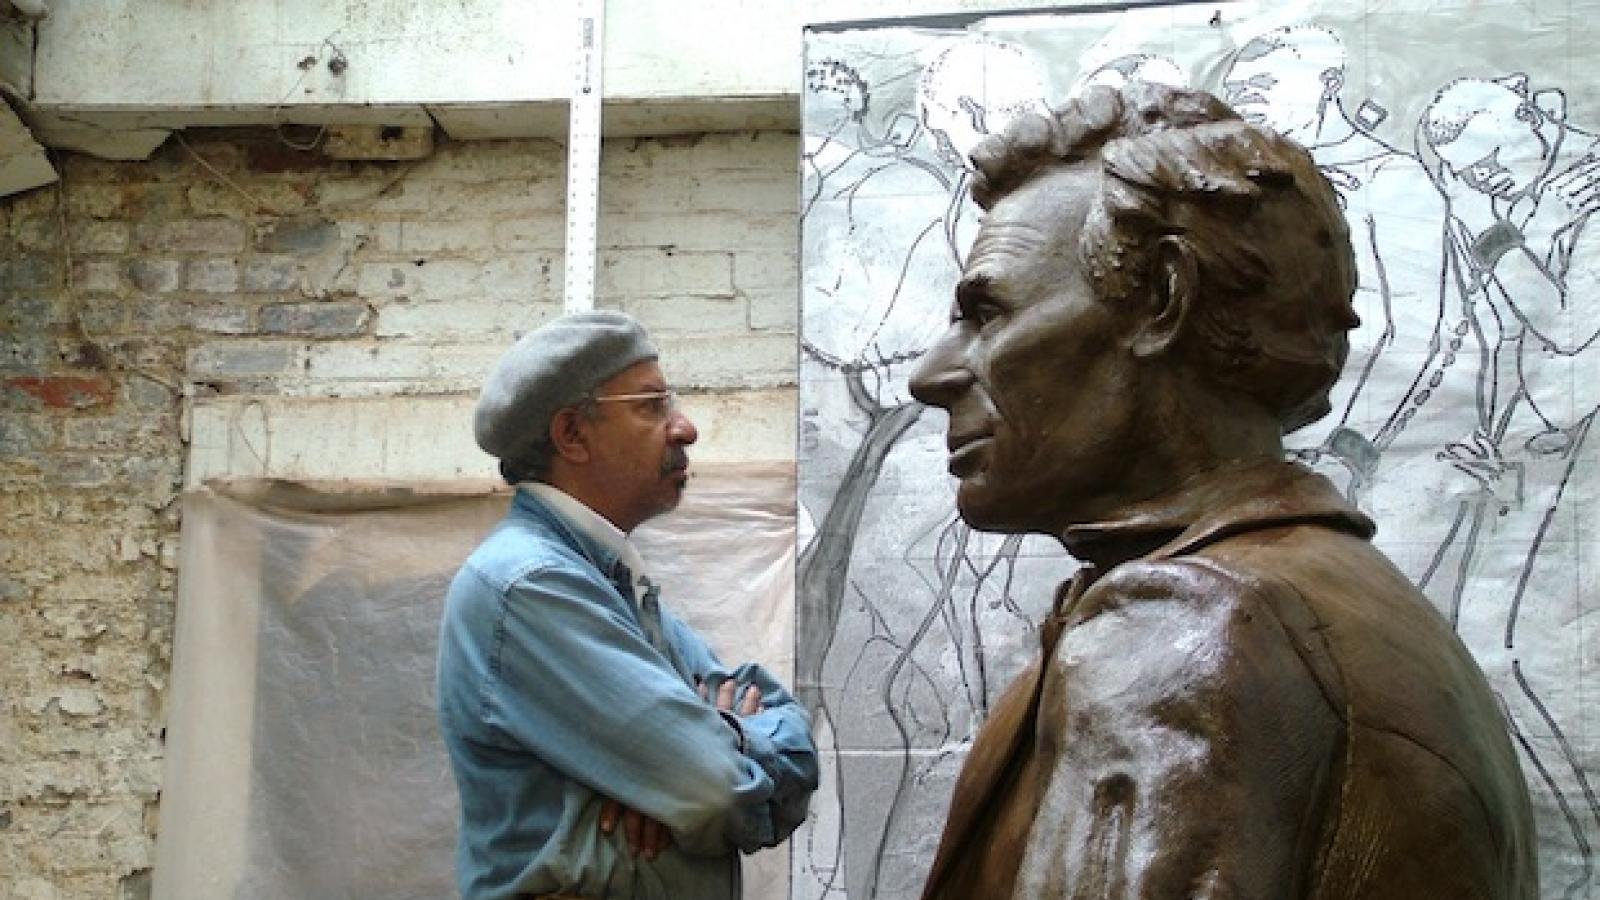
x=1261, y=706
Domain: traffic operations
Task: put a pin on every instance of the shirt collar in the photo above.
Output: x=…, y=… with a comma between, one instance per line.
x=593, y=525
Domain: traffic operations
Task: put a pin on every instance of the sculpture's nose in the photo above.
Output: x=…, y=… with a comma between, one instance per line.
x=942, y=374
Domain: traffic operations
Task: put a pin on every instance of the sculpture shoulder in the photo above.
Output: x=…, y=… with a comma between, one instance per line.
x=1195, y=628
x=1186, y=578
x=1194, y=588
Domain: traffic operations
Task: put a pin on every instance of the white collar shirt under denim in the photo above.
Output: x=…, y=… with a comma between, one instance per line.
x=594, y=526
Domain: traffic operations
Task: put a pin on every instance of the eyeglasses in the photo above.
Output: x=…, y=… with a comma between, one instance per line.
x=657, y=404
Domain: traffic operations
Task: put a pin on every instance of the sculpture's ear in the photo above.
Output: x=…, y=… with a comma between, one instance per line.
x=1174, y=285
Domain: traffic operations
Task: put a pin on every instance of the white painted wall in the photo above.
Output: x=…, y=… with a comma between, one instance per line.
x=429, y=438
x=481, y=67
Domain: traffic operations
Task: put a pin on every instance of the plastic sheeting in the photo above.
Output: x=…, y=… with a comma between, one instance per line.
x=303, y=756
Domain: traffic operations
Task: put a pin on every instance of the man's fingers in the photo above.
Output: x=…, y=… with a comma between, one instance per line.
x=608, y=816
x=654, y=838
x=633, y=827
x=645, y=836
x=725, y=695
x=751, y=703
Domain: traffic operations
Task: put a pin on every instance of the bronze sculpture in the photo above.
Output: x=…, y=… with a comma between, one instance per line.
x=1238, y=696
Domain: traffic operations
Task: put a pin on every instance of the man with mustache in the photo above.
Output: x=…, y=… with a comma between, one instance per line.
x=1237, y=695
x=570, y=700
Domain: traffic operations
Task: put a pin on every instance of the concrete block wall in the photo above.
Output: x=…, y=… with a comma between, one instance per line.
x=235, y=293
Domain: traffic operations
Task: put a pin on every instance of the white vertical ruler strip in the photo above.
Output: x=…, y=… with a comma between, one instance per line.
x=583, y=157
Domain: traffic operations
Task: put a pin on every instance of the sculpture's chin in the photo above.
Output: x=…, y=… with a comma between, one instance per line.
x=972, y=509
x=983, y=513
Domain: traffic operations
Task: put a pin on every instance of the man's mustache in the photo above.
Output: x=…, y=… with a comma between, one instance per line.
x=677, y=460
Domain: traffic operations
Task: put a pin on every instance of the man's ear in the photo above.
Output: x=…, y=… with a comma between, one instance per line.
x=568, y=436
x=1174, y=284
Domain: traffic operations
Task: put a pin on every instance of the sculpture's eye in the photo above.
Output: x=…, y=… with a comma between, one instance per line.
x=978, y=311
x=974, y=302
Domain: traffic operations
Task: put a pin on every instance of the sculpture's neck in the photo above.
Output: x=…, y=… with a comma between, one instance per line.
x=1109, y=549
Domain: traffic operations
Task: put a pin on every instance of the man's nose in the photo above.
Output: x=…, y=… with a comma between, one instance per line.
x=680, y=430
x=942, y=375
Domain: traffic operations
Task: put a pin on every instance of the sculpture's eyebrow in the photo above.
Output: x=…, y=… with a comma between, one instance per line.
x=973, y=287
x=1005, y=239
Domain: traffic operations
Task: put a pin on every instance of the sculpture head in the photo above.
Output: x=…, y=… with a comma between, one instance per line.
x=1158, y=287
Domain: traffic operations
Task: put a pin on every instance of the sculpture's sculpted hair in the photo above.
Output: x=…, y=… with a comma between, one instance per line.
x=1180, y=163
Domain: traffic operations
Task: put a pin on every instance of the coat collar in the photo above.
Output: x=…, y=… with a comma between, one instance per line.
x=1216, y=504
x=528, y=506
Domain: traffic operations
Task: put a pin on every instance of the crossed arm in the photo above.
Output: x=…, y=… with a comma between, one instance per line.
x=712, y=759
x=645, y=835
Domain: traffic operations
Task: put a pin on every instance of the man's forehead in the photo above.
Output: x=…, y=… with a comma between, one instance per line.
x=646, y=373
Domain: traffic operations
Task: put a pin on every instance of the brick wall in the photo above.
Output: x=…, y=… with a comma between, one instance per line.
x=235, y=265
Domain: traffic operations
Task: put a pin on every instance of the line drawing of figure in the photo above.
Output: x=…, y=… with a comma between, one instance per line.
x=1291, y=79
x=973, y=88
x=1473, y=399
x=867, y=334
x=1521, y=184
x=1149, y=67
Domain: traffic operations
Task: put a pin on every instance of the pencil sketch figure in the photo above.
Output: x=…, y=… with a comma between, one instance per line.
x=1291, y=79
x=972, y=89
x=1521, y=184
x=1147, y=67
x=851, y=345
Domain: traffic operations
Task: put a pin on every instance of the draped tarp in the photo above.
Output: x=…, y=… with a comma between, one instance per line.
x=303, y=754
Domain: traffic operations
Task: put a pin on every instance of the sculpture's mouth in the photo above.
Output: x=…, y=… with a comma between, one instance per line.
x=966, y=455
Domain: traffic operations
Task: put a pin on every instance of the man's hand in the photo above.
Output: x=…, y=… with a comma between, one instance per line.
x=749, y=704
x=646, y=837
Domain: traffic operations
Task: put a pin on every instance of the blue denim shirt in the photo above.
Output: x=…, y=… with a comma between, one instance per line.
x=551, y=699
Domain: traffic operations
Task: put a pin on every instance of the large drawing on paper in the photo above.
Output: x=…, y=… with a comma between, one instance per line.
x=1465, y=148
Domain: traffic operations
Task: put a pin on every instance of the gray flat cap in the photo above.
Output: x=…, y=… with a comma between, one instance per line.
x=550, y=368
